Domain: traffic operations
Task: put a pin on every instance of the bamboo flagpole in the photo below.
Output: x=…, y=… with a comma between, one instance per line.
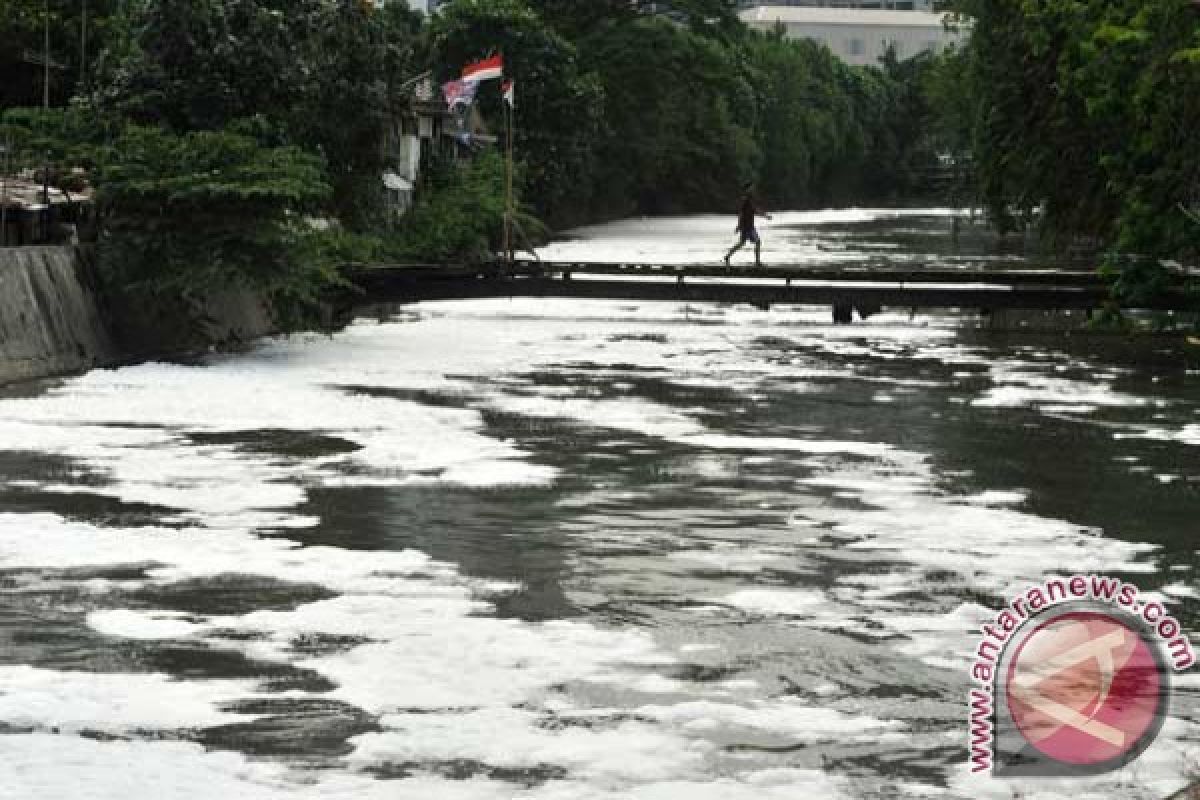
x=508, y=125
x=509, y=201
x=487, y=69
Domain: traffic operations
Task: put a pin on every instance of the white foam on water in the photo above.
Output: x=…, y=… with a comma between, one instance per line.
x=729, y=558
x=72, y=702
x=797, y=721
x=131, y=426
x=629, y=753
x=996, y=498
x=47, y=541
x=985, y=543
x=1188, y=434
x=147, y=625
x=496, y=662
x=1018, y=385
x=790, y=602
x=449, y=680
x=420, y=617
x=64, y=766
x=1181, y=590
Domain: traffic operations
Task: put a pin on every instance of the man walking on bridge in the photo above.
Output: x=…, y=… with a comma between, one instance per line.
x=746, y=230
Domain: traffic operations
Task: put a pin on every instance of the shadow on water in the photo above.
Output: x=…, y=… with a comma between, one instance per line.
x=501, y=534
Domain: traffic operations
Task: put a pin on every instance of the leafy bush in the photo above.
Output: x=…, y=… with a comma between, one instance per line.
x=459, y=215
x=187, y=215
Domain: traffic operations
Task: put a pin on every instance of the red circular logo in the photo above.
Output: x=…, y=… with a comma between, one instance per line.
x=1085, y=689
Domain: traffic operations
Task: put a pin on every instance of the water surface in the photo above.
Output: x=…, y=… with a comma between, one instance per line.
x=579, y=549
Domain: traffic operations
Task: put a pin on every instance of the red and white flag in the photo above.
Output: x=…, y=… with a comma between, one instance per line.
x=485, y=70
x=510, y=93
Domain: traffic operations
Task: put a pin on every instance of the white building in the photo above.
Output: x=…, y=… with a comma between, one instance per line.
x=859, y=36
x=424, y=6
x=895, y=5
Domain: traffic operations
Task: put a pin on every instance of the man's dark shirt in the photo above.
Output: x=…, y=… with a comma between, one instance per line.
x=746, y=214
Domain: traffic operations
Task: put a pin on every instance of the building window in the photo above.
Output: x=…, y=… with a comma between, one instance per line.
x=854, y=47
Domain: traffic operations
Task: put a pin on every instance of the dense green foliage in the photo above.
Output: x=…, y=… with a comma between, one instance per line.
x=71, y=136
x=680, y=117
x=211, y=126
x=672, y=112
x=79, y=34
x=560, y=107
x=459, y=214
x=831, y=134
x=232, y=122
x=315, y=74
x=188, y=213
x=1084, y=121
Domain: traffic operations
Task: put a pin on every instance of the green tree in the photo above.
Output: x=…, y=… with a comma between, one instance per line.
x=321, y=75
x=559, y=104
x=573, y=18
x=1084, y=119
x=807, y=130
x=186, y=214
x=680, y=118
x=79, y=34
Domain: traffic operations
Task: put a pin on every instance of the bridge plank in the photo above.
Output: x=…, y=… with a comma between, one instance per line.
x=779, y=285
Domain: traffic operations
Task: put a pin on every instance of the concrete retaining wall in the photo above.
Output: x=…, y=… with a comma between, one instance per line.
x=54, y=319
x=51, y=320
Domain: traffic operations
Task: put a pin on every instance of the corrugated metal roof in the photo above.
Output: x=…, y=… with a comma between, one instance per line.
x=812, y=15
x=28, y=195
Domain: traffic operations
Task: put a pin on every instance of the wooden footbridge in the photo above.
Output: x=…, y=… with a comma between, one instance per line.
x=844, y=288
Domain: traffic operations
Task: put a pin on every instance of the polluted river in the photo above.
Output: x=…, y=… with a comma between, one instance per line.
x=577, y=550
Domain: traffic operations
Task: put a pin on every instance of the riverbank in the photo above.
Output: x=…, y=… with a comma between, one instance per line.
x=51, y=318
x=56, y=318
x=1188, y=794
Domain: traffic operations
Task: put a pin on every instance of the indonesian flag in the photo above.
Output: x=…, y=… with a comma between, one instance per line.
x=510, y=95
x=484, y=70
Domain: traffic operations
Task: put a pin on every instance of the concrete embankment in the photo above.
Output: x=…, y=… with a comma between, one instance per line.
x=51, y=317
x=54, y=318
